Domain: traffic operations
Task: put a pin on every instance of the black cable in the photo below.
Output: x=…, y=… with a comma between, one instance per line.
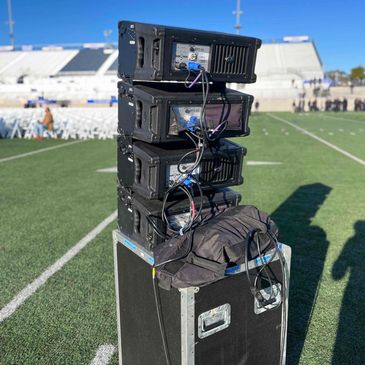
x=156, y=229
x=183, y=188
x=265, y=264
x=283, y=290
x=201, y=137
x=283, y=298
x=189, y=232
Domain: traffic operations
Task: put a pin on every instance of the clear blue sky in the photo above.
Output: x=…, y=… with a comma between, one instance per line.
x=338, y=27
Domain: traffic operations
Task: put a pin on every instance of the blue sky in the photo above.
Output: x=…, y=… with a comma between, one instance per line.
x=336, y=26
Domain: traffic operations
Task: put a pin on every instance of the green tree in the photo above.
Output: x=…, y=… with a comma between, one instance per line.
x=358, y=73
x=338, y=75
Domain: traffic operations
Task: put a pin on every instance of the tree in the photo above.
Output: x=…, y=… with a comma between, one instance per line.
x=338, y=76
x=358, y=73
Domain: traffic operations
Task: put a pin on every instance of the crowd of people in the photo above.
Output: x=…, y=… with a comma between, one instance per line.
x=335, y=105
x=359, y=105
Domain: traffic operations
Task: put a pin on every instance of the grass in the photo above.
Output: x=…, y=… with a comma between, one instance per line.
x=18, y=146
x=49, y=201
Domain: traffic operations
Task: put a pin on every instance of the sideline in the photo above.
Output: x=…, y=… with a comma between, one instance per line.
x=31, y=288
x=39, y=151
x=338, y=149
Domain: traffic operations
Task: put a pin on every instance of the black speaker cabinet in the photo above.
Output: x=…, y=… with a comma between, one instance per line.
x=151, y=169
x=219, y=324
x=136, y=213
x=159, y=53
x=164, y=112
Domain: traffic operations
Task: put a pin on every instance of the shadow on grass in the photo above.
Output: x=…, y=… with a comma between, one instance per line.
x=309, y=248
x=350, y=339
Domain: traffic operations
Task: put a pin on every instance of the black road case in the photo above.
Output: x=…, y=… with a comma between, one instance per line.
x=150, y=170
x=135, y=213
x=219, y=324
x=159, y=53
x=163, y=113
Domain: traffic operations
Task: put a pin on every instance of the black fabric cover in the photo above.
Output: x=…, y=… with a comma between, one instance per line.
x=201, y=256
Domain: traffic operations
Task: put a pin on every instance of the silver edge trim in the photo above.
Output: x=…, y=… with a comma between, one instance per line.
x=115, y=243
x=139, y=250
x=287, y=256
x=188, y=326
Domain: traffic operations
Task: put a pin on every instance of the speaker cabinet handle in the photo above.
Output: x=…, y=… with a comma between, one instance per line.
x=140, y=52
x=137, y=221
x=137, y=170
x=139, y=110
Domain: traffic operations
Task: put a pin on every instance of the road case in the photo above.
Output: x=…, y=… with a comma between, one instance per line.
x=219, y=324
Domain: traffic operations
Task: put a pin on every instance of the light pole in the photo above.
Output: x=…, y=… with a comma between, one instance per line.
x=107, y=33
x=11, y=24
x=238, y=14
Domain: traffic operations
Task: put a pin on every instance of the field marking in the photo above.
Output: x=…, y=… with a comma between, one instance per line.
x=31, y=288
x=338, y=149
x=39, y=151
x=114, y=170
x=340, y=118
x=262, y=163
x=103, y=355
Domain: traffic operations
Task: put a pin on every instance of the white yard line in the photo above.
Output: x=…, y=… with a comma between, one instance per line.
x=340, y=118
x=262, y=163
x=39, y=151
x=31, y=288
x=114, y=170
x=331, y=145
x=109, y=169
x=103, y=355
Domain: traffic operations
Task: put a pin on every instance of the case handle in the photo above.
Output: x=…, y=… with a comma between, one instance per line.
x=214, y=320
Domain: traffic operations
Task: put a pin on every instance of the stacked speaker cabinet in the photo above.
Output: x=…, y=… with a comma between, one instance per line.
x=175, y=170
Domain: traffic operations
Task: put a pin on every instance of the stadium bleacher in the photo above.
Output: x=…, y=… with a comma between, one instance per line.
x=282, y=69
x=90, y=72
x=86, y=61
x=113, y=67
x=35, y=64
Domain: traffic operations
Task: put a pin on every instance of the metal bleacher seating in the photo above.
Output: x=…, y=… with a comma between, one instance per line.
x=90, y=73
x=283, y=67
x=113, y=68
x=87, y=61
x=35, y=63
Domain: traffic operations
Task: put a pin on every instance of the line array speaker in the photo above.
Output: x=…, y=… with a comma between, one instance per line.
x=159, y=53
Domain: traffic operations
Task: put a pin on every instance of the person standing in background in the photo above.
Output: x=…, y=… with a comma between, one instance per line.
x=47, y=124
x=48, y=119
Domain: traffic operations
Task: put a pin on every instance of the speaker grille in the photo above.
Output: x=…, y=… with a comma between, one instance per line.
x=229, y=59
x=216, y=170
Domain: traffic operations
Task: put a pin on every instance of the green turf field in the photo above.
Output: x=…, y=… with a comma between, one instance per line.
x=50, y=200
